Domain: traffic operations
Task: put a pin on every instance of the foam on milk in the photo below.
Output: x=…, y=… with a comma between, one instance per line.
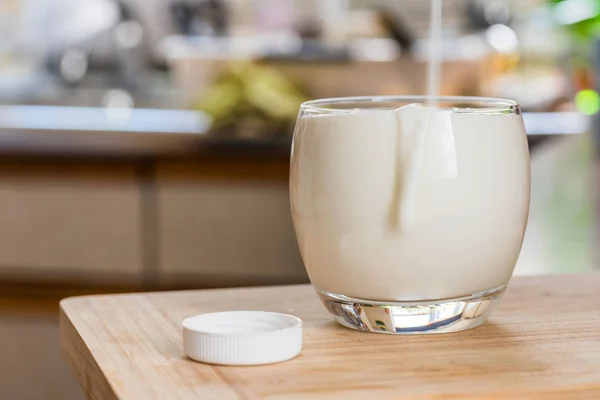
x=412, y=204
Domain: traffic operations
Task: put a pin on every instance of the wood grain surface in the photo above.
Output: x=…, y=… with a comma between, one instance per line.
x=543, y=342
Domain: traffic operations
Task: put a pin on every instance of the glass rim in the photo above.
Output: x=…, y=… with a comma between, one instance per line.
x=490, y=104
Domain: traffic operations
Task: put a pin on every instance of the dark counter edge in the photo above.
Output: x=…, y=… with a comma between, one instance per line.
x=176, y=134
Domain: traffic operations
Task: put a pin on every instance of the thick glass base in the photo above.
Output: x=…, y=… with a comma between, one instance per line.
x=416, y=317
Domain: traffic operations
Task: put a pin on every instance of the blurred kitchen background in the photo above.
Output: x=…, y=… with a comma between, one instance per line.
x=144, y=144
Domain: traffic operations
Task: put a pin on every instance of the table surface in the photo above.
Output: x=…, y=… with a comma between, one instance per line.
x=542, y=342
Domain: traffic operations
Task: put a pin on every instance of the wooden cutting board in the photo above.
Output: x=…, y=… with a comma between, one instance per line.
x=543, y=342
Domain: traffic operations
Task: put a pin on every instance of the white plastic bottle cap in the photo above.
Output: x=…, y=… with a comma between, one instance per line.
x=242, y=337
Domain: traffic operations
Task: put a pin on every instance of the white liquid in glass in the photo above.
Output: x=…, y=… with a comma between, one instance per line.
x=412, y=204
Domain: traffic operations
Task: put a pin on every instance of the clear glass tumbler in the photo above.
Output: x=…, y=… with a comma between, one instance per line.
x=410, y=217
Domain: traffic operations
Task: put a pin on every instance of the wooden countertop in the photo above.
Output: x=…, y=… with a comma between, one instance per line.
x=543, y=342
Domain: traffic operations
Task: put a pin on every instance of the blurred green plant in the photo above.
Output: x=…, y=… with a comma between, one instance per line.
x=581, y=18
x=248, y=99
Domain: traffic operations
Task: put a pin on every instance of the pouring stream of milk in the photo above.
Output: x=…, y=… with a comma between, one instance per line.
x=415, y=127
x=435, y=52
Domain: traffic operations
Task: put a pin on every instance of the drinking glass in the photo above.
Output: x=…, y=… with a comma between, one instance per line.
x=409, y=211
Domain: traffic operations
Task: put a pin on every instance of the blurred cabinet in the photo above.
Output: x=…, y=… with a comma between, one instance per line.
x=68, y=219
x=195, y=223
x=226, y=223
